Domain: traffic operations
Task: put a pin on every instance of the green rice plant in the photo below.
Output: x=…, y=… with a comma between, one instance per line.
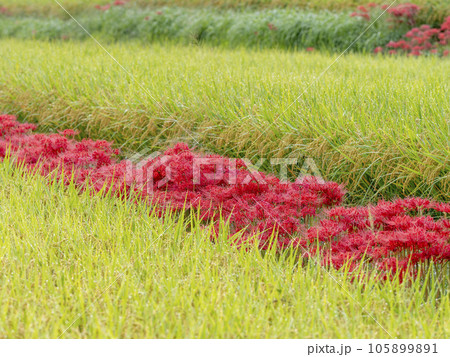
x=79, y=265
x=380, y=125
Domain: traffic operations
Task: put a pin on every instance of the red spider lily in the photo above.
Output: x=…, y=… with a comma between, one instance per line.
x=361, y=14
x=362, y=8
x=399, y=14
x=69, y=133
x=407, y=11
x=425, y=36
x=446, y=25
x=391, y=236
x=103, y=8
x=423, y=39
x=253, y=207
x=378, y=49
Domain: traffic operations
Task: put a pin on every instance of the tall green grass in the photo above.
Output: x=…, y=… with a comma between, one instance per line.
x=433, y=11
x=266, y=28
x=79, y=265
x=379, y=125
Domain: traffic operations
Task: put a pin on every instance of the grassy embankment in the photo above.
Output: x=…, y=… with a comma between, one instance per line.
x=277, y=28
x=433, y=11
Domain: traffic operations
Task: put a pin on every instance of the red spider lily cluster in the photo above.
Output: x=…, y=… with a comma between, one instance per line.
x=253, y=202
x=421, y=40
x=403, y=13
x=363, y=11
x=108, y=6
x=391, y=236
x=417, y=41
x=304, y=214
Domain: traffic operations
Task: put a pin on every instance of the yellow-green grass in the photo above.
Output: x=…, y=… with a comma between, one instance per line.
x=378, y=124
x=432, y=10
x=88, y=266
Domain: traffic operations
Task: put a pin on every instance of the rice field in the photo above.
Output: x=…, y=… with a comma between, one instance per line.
x=88, y=253
x=380, y=125
x=88, y=266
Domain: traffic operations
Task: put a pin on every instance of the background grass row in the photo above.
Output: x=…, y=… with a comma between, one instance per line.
x=85, y=266
x=280, y=28
x=380, y=125
x=433, y=11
